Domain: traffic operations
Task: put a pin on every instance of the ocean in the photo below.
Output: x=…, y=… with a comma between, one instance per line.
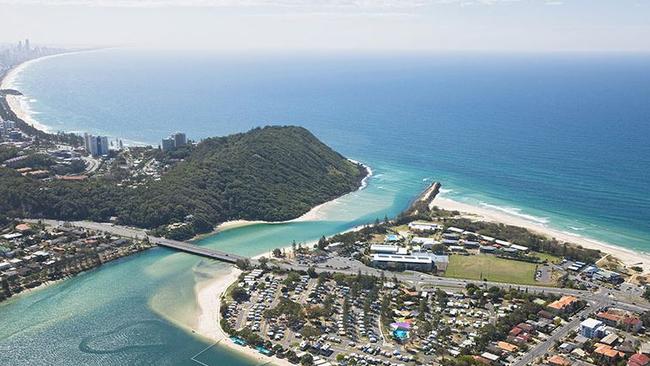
x=558, y=139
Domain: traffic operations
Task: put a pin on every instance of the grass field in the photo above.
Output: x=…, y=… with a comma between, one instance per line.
x=549, y=257
x=478, y=267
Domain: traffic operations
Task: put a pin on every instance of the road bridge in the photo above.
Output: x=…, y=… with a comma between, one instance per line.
x=140, y=234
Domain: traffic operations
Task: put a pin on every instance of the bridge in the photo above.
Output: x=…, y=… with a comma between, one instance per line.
x=198, y=250
x=140, y=234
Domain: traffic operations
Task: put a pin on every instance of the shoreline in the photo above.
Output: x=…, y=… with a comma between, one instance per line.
x=628, y=257
x=16, y=102
x=314, y=214
x=209, y=296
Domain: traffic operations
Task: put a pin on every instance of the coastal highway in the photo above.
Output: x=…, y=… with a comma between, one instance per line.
x=141, y=234
x=423, y=281
x=352, y=267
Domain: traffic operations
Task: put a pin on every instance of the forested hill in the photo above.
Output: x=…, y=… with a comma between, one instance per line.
x=272, y=173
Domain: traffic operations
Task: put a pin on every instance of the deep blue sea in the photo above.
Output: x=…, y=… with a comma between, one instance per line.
x=560, y=139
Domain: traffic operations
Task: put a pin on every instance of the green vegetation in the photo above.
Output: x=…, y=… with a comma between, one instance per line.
x=291, y=310
x=550, y=258
x=272, y=173
x=527, y=238
x=42, y=138
x=491, y=268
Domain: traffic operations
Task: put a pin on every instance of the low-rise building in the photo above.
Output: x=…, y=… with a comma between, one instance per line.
x=388, y=261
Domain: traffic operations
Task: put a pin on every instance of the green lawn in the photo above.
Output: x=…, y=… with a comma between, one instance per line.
x=549, y=257
x=482, y=266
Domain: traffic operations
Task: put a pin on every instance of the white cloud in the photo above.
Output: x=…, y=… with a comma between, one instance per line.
x=341, y=4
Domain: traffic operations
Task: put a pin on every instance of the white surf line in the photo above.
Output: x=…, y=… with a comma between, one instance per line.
x=205, y=349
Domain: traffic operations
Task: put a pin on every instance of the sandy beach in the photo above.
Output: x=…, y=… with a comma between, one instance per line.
x=209, y=300
x=18, y=103
x=626, y=256
x=315, y=214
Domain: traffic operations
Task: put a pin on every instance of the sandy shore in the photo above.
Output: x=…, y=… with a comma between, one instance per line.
x=626, y=256
x=209, y=300
x=19, y=103
x=315, y=214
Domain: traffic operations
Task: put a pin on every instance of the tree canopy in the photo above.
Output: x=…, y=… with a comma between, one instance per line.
x=272, y=173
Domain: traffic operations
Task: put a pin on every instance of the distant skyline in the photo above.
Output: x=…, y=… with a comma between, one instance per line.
x=331, y=25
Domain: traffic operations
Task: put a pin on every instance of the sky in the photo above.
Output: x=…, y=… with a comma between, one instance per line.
x=360, y=25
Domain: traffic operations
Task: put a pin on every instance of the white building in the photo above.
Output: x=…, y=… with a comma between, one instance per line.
x=384, y=249
x=388, y=261
x=423, y=226
x=592, y=328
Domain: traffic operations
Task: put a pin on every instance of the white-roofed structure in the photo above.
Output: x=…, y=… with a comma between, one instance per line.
x=388, y=261
x=383, y=248
x=455, y=230
x=423, y=226
x=519, y=247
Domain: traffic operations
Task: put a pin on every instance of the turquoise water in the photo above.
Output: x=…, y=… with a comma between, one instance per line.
x=558, y=139
x=401, y=334
x=140, y=310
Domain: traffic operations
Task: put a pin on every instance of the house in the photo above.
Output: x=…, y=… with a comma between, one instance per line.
x=490, y=356
x=565, y=304
x=22, y=227
x=567, y=347
x=520, y=248
x=488, y=238
x=487, y=249
x=456, y=230
x=609, y=318
x=470, y=244
x=631, y=324
x=638, y=359
x=609, y=339
x=507, y=347
x=558, y=361
x=607, y=353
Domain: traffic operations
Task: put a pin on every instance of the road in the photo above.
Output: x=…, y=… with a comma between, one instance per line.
x=543, y=347
x=141, y=234
x=352, y=267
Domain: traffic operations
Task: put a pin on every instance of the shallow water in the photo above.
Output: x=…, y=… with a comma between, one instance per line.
x=560, y=140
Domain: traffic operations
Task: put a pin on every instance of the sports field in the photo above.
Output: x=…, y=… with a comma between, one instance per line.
x=491, y=268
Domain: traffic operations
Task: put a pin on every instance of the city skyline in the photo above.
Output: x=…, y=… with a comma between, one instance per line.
x=494, y=25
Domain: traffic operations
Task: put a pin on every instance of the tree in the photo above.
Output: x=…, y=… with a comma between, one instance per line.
x=243, y=264
x=311, y=271
x=264, y=263
x=277, y=253
x=646, y=293
x=306, y=360
x=322, y=243
x=239, y=294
